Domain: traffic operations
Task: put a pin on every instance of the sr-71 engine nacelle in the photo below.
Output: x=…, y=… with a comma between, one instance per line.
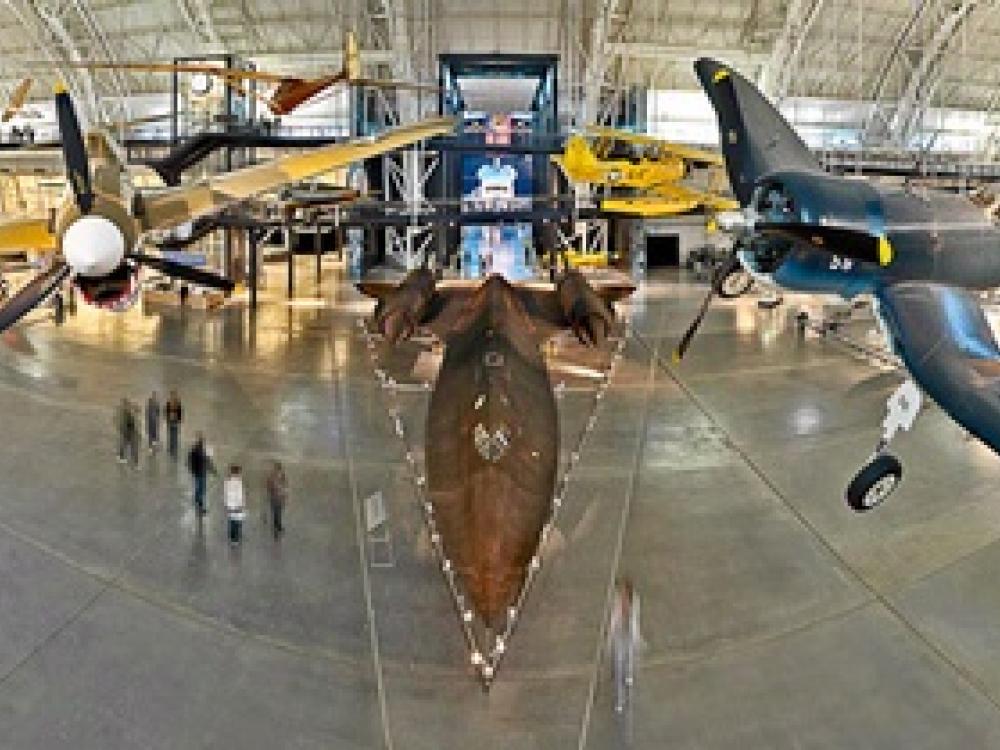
x=586, y=312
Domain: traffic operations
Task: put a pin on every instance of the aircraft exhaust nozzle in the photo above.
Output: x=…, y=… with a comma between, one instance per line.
x=401, y=310
x=592, y=330
x=396, y=326
x=587, y=313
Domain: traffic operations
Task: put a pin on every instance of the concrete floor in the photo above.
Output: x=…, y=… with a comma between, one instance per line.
x=774, y=616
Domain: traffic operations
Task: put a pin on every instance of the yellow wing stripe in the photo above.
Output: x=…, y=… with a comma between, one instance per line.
x=885, y=252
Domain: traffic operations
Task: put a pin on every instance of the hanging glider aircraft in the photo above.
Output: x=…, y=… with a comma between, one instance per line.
x=288, y=92
x=96, y=231
x=492, y=437
x=657, y=173
x=17, y=100
x=922, y=255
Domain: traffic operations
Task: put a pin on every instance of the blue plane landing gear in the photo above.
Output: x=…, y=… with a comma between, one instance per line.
x=882, y=474
x=736, y=283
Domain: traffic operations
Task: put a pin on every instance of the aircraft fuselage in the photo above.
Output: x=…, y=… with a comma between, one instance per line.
x=935, y=236
x=492, y=447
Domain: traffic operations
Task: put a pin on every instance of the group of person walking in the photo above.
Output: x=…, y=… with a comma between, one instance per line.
x=129, y=416
x=199, y=462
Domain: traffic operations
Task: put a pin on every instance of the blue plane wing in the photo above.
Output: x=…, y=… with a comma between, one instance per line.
x=946, y=342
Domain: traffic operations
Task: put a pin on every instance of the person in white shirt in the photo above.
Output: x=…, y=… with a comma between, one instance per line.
x=232, y=495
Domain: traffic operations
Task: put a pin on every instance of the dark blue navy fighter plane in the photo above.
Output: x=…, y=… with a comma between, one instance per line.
x=920, y=254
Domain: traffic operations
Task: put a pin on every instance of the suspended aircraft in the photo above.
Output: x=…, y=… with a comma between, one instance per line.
x=920, y=254
x=17, y=99
x=492, y=436
x=96, y=231
x=289, y=91
x=657, y=173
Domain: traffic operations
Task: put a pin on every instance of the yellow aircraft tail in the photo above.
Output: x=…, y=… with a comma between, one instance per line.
x=352, y=57
x=578, y=160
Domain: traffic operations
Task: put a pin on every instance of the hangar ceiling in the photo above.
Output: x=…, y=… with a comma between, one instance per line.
x=901, y=54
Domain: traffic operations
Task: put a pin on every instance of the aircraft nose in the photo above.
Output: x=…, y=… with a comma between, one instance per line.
x=493, y=591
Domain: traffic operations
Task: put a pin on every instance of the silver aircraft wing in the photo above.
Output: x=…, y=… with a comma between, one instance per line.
x=946, y=342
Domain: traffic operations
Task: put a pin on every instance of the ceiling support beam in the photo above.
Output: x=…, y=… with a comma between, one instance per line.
x=50, y=36
x=599, y=59
x=896, y=117
x=925, y=76
x=198, y=17
x=775, y=76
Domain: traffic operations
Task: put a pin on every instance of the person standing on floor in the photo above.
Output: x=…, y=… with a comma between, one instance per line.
x=122, y=419
x=232, y=495
x=200, y=464
x=153, y=421
x=624, y=640
x=277, y=497
x=58, y=308
x=132, y=428
x=174, y=414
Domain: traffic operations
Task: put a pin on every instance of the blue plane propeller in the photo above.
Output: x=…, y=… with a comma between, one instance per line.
x=922, y=255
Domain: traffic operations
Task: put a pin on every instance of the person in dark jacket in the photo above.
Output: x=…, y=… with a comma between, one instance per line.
x=174, y=414
x=200, y=464
x=277, y=497
x=153, y=421
x=122, y=419
x=58, y=308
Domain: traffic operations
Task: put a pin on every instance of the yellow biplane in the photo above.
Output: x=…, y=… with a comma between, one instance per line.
x=657, y=172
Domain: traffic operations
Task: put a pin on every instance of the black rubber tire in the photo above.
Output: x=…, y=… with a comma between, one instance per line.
x=874, y=483
x=740, y=289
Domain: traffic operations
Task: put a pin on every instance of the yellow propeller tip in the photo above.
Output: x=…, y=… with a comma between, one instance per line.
x=60, y=87
x=885, y=251
x=675, y=357
x=720, y=75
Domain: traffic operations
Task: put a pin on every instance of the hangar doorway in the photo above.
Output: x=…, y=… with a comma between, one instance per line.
x=663, y=250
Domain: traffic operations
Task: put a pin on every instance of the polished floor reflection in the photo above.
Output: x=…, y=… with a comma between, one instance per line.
x=773, y=616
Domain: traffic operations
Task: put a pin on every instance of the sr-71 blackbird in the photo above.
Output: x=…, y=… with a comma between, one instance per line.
x=492, y=438
x=922, y=255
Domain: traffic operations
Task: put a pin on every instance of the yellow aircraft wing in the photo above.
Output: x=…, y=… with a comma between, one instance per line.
x=668, y=200
x=23, y=234
x=175, y=206
x=687, y=153
x=164, y=67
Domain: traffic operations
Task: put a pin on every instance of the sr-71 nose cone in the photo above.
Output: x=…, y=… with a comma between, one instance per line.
x=492, y=448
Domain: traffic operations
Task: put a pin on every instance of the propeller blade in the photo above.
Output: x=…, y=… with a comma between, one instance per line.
x=74, y=151
x=685, y=341
x=184, y=272
x=721, y=272
x=32, y=294
x=842, y=241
